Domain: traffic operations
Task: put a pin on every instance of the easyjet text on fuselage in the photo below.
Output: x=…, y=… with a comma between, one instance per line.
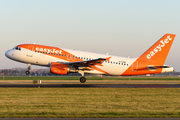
x=48, y=50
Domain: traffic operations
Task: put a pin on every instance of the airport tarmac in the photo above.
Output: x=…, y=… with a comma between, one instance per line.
x=92, y=82
x=92, y=85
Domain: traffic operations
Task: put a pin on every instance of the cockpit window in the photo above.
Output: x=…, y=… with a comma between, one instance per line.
x=17, y=48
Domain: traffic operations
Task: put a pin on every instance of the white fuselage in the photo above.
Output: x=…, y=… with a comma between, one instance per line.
x=116, y=65
x=64, y=61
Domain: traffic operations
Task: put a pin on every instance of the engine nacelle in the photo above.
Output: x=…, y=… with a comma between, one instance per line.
x=62, y=69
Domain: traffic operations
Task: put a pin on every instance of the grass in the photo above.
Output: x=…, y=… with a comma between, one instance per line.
x=90, y=102
x=88, y=78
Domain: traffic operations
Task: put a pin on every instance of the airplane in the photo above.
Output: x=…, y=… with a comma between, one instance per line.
x=63, y=61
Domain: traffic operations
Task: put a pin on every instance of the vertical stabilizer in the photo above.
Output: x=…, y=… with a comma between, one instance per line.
x=159, y=51
x=152, y=61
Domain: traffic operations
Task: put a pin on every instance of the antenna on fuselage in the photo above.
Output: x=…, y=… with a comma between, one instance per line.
x=34, y=43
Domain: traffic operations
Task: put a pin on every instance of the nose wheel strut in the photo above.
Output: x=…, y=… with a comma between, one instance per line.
x=28, y=71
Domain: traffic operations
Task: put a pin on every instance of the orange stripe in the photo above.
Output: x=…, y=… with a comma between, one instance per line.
x=54, y=50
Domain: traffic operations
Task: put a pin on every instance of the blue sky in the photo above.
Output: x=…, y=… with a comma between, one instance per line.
x=120, y=27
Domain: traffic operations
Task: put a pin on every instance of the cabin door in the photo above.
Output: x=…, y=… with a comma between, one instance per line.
x=30, y=51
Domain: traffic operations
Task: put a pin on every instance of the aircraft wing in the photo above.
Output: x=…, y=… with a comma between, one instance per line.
x=88, y=63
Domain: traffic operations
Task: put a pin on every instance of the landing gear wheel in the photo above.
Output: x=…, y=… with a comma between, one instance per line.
x=82, y=79
x=27, y=72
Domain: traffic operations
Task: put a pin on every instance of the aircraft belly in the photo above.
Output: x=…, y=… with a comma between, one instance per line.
x=113, y=69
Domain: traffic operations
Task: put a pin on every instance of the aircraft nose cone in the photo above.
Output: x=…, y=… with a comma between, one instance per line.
x=7, y=54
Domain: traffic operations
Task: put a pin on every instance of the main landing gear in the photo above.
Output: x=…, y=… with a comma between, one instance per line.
x=82, y=79
x=29, y=68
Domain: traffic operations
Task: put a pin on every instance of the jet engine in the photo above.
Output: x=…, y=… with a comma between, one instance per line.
x=61, y=69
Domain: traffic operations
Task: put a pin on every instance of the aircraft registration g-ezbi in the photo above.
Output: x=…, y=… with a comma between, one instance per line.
x=64, y=61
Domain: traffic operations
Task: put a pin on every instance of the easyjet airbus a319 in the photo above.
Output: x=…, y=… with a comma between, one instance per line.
x=64, y=61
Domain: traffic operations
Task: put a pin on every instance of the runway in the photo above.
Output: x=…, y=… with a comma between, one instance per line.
x=92, y=85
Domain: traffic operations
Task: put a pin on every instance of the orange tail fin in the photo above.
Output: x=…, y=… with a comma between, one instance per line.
x=154, y=56
x=159, y=51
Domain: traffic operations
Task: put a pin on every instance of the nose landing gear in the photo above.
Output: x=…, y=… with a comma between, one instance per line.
x=29, y=68
x=27, y=72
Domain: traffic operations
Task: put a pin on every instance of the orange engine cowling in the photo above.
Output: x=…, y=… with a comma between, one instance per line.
x=62, y=69
x=59, y=68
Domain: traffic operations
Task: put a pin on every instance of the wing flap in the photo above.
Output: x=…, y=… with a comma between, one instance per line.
x=89, y=63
